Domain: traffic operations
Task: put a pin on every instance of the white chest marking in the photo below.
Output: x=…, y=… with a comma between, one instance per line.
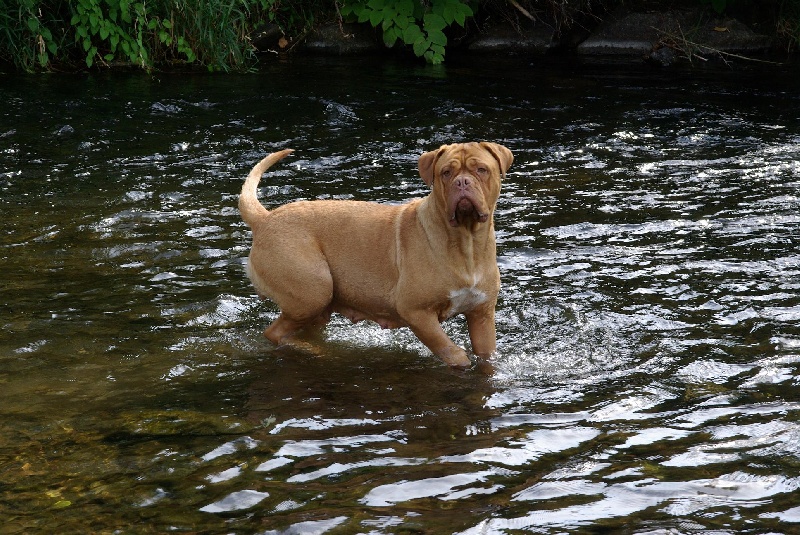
x=464, y=300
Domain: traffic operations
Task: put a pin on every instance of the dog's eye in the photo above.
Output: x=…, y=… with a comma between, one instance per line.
x=482, y=170
x=446, y=173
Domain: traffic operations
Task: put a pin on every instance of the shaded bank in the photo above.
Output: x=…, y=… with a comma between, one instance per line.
x=46, y=35
x=662, y=38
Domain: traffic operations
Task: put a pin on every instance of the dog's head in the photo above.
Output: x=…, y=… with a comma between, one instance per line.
x=465, y=178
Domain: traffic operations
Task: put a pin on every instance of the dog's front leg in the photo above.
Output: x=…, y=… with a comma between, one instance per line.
x=429, y=331
x=482, y=334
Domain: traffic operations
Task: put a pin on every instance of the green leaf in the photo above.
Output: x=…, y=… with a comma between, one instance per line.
x=434, y=58
x=375, y=18
x=104, y=33
x=388, y=20
x=402, y=22
x=434, y=22
x=437, y=37
x=390, y=37
x=412, y=34
x=167, y=24
x=448, y=14
x=33, y=24
x=346, y=10
x=420, y=46
x=405, y=8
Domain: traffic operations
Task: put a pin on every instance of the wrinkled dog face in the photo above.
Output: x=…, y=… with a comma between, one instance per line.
x=466, y=179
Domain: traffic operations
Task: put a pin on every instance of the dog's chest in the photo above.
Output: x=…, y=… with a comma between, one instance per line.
x=465, y=299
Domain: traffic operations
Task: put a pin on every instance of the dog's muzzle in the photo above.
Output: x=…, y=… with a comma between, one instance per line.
x=465, y=202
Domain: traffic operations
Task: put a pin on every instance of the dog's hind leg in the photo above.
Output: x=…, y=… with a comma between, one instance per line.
x=305, y=303
x=282, y=328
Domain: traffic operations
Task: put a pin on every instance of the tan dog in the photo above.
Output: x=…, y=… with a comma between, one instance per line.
x=411, y=265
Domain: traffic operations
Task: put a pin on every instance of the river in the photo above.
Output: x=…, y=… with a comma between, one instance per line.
x=647, y=378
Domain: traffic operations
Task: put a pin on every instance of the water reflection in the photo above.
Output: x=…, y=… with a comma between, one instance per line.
x=648, y=322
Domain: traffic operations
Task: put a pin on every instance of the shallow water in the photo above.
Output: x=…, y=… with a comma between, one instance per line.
x=648, y=325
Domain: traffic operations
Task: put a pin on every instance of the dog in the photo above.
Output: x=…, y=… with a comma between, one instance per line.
x=410, y=265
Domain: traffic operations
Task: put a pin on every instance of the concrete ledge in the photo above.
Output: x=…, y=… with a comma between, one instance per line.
x=635, y=33
x=503, y=37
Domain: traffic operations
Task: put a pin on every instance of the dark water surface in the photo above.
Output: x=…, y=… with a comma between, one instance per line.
x=648, y=375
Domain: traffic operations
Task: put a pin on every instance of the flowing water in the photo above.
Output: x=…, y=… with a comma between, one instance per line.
x=648, y=372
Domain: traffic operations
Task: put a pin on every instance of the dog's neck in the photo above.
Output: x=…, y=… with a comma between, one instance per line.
x=470, y=238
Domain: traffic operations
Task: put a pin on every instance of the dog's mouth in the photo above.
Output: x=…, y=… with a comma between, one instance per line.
x=465, y=210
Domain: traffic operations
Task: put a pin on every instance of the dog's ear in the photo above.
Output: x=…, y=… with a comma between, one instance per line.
x=427, y=165
x=501, y=154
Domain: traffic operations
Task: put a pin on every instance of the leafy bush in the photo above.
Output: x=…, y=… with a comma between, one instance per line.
x=213, y=33
x=27, y=38
x=411, y=22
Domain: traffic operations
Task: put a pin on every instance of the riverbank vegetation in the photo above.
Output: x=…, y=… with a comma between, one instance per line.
x=218, y=35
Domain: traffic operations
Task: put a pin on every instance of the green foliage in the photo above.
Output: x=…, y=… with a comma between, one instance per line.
x=140, y=33
x=30, y=43
x=411, y=22
x=96, y=33
x=113, y=25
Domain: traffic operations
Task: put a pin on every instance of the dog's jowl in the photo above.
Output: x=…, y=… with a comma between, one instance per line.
x=411, y=265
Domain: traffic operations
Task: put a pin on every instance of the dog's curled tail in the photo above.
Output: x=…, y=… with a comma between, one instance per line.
x=249, y=206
